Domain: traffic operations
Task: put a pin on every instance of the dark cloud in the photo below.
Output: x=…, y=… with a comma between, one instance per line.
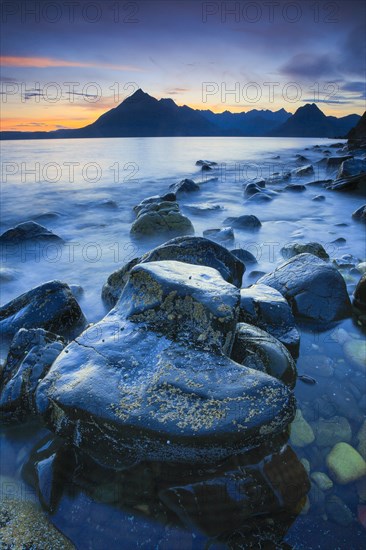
x=310, y=66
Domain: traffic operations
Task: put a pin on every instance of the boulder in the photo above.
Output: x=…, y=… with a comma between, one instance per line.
x=335, y=162
x=303, y=170
x=314, y=288
x=318, y=198
x=208, y=162
x=258, y=350
x=130, y=393
x=168, y=220
x=251, y=189
x=184, y=302
x=248, y=222
x=295, y=188
x=359, y=296
x=293, y=249
x=266, y=308
x=360, y=214
x=224, y=235
x=150, y=381
x=145, y=204
x=345, y=463
x=30, y=357
x=50, y=306
x=348, y=183
x=191, y=250
x=244, y=256
x=29, y=231
x=351, y=167
x=184, y=186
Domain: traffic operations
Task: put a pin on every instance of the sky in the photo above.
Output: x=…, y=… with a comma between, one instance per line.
x=65, y=62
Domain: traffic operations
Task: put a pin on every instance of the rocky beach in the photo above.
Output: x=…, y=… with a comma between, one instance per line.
x=200, y=389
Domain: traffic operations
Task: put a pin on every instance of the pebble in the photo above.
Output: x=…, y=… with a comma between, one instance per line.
x=322, y=481
x=345, y=463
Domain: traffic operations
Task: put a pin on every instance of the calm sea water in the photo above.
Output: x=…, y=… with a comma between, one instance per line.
x=84, y=191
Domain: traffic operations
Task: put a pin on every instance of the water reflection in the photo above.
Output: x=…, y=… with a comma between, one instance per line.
x=257, y=495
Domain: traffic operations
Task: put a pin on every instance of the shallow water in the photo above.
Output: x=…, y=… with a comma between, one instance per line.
x=98, y=242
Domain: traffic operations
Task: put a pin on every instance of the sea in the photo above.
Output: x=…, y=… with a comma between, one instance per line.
x=84, y=190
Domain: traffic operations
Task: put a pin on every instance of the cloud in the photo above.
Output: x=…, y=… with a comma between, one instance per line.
x=47, y=62
x=176, y=91
x=305, y=65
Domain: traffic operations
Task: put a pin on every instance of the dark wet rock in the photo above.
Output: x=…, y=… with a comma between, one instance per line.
x=359, y=297
x=278, y=177
x=115, y=283
x=266, y=308
x=156, y=215
x=318, y=198
x=293, y=249
x=338, y=511
x=348, y=183
x=191, y=250
x=351, y=167
x=334, y=162
x=132, y=394
x=30, y=357
x=258, y=350
x=184, y=186
x=29, y=231
x=300, y=158
x=50, y=306
x=340, y=240
x=208, y=162
x=47, y=216
x=203, y=208
x=252, y=189
x=247, y=221
x=224, y=235
x=303, y=170
x=260, y=197
x=295, y=188
x=315, y=289
x=337, y=145
x=184, y=302
x=206, y=167
x=318, y=183
x=360, y=214
x=244, y=256
x=346, y=261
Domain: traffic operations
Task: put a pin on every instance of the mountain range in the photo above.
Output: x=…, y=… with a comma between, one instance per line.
x=141, y=115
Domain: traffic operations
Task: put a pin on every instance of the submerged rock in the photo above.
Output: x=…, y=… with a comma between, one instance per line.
x=50, y=306
x=338, y=511
x=266, y=308
x=248, y=222
x=355, y=351
x=332, y=431
x=295, y=188
x=30, y=356
x=293, y=249
x=315, y=289
x=29, y=231
x=345, y=463
x=191, y=250
x=208, y=162
x=258, y=350
x=301, y=433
